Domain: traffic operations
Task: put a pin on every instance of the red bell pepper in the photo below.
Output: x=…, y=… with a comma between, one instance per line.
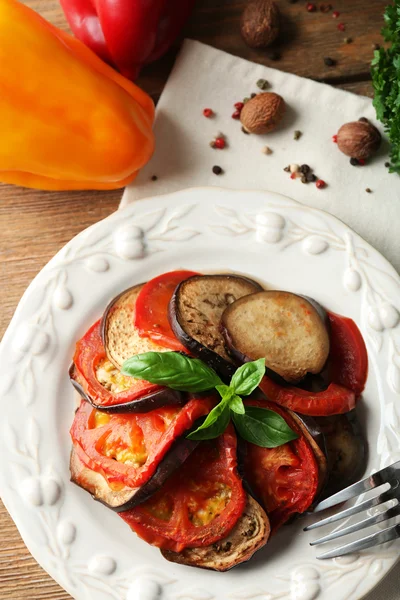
x=127, y=33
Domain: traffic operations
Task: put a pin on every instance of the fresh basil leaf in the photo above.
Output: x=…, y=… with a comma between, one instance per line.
x=172, y=369
x=236, y=405
x=248, y=376
x=215, y=424
x=225, y=391
x=263, y=427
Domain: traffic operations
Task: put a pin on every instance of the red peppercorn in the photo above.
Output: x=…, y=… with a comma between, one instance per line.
x=236, y=114
x=320, y=183
x=208, y=112
x=311, y=7
x=341, y=27
x=335, y=14
x=334, y=139
x=361, y=162
x=219, y=143
x=239, y=105
x=293, y=176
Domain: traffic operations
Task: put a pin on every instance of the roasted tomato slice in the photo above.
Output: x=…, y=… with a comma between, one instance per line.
x=127, y=448
x=348, y=358
x=199, y=504
x=335, y=400
x=101, y=380
x=152, y=303
x=284, y=479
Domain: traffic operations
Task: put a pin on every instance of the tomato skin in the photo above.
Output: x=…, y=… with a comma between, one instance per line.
x=286, y=478
x=151, y=316
x=132, y=432
x=348, y=359
x=89, y=353
x=335, y=400
x=211, y=466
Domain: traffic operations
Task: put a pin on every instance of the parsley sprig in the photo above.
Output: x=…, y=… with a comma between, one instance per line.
x=386, y=82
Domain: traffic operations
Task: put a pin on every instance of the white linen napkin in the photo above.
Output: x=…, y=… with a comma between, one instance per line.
x=204, y=77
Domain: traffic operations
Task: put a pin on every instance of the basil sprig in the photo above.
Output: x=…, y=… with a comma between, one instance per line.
x=179, y=372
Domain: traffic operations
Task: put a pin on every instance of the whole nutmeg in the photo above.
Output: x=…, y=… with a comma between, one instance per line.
x=260, y=23
x=262, y=113
x=359, y=139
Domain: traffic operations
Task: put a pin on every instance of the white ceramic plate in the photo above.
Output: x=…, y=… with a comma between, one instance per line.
x=83, y=545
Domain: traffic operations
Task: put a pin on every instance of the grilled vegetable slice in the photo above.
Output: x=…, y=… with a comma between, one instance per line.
x=195, y=312
x=250, y=534
x=335, y=400
x=285, y=479
x=119, y=497
x=345, y=450
x=120, y=336
x=127, y=449
x=151, y=314
x=281, y=327
x=199, y=504
x=101, y=383
x=313, y=434
x=348, y=361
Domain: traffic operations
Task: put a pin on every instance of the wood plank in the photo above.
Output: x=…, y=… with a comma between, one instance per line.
x=35, y=225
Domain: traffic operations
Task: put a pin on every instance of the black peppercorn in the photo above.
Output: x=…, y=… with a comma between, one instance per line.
x=217, y=170
x=154, y=178
x=305, y=169
x=354, y=162
x=387, y=164
x=363, y=120
x=311, y=177
x=329, y=61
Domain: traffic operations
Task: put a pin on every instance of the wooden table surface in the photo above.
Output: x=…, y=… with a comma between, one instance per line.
x=35, y=225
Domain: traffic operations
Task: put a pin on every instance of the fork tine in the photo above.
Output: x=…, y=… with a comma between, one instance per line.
x=383, y=516
x=386, y=535
x=353, y=510
x=369, y=483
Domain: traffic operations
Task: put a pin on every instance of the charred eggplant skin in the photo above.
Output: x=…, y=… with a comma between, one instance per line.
x=176, y=456
x=158, y=399
x=220, y=364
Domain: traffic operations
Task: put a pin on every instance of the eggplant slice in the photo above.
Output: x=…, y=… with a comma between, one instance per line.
x=250, y=534
x=121, y=339
x=281, y=327
x=195, y=313
x=127, y=498
x=158, y=399
x=346, y=450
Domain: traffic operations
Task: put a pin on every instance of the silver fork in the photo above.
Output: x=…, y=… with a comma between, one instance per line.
x=389, y=475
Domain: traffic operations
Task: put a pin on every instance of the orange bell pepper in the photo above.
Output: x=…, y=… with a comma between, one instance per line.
x=67, y=120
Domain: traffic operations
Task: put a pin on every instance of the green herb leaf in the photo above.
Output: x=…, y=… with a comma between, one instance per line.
x=224, y=391
x=386, y=82
x=248, y=376
x=172, y=369
x=263, y=427
x=215, y=424
x=236, y=405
